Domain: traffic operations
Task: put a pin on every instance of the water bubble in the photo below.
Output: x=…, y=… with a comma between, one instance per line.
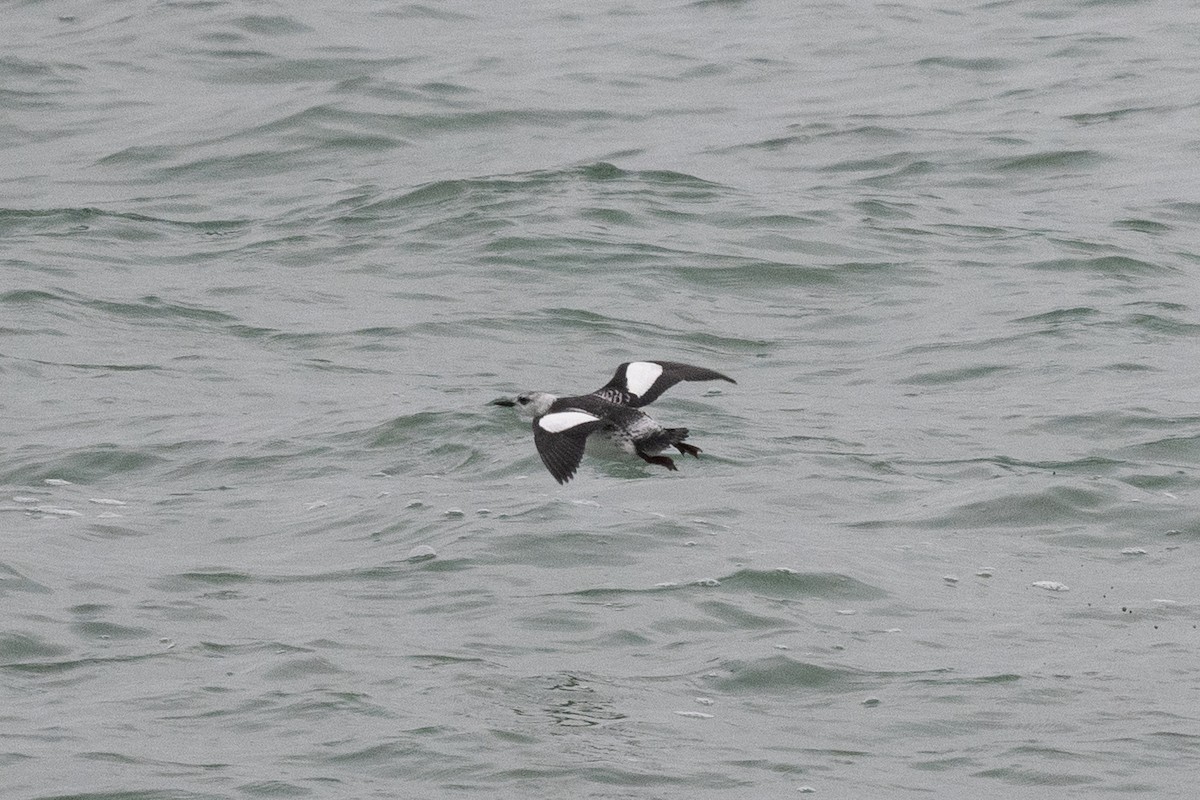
x=57, y=512
x=421, y=552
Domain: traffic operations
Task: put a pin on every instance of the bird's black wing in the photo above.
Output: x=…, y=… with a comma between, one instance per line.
x=639, y=383
x=560, y=437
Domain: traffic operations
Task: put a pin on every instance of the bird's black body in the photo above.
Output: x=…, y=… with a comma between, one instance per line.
x=562, y=425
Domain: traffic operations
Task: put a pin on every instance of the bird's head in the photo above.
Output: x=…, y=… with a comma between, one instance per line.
x=528, y=404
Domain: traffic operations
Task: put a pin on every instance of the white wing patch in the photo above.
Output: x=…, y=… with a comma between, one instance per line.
x=640, y=376
x=561, y=421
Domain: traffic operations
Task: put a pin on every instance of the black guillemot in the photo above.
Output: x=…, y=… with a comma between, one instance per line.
x=562, y=425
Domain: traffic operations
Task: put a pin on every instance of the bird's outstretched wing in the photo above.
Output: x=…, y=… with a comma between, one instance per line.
x=560, y=437
x=639, y=383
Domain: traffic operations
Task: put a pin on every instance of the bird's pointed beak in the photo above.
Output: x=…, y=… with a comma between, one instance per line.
x=503, y=401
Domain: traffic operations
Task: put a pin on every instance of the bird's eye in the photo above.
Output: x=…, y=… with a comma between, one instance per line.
x=523, y=400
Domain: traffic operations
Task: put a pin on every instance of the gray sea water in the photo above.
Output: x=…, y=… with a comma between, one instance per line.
x=263, y=265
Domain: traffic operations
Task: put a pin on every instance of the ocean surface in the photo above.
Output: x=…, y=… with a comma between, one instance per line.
x=263, y=266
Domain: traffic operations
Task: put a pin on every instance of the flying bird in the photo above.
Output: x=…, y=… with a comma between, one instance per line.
x=562, y=425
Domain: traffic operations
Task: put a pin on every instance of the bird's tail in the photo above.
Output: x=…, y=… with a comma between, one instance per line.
x=675, y=437
x=667, y=437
